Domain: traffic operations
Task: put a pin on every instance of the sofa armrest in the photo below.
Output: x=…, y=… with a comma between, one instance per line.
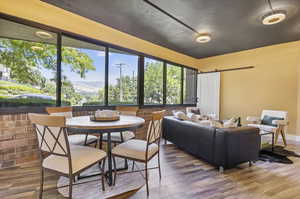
x=280, y=122
x=253, y=119
x=236, y=145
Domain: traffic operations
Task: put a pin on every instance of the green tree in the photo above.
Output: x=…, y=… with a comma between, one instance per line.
x=26, y=62
x=173, y=84
x=153, y=83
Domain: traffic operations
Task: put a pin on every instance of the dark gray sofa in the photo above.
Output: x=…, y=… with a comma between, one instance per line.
x=222, y=147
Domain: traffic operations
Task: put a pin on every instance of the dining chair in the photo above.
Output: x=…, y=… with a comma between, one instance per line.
x=123, y=136
x=142, y=150
x=57, y=155
x=74, y=139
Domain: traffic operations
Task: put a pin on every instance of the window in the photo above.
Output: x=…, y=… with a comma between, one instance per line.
x=153, y=81
x=189, y=86
x=173, y=84
x=123, y=69
x=83, y=73
x=29, y=73
x=27, y=65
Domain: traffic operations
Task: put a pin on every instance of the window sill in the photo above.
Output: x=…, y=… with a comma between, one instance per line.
x=41, y=109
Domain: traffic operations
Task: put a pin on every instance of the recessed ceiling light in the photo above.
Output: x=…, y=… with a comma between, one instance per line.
x=36, y=48
x=274, y=17
x=203, y=38
x=43, y=35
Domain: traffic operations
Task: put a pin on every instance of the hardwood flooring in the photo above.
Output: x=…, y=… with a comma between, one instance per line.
x=183, y=177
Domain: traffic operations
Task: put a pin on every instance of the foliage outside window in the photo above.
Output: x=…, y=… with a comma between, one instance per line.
x=123, y=69
x=27, y=67
x=189, y=86
x=173, y=84
x=83, y=73
x=153, y=81
x=28, y=72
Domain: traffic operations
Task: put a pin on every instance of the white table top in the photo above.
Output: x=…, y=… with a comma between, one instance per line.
x=84, y=122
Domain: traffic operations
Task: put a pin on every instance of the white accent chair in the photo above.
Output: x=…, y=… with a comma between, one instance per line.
x=278, y=126
x=75, y=139
x=57, y=155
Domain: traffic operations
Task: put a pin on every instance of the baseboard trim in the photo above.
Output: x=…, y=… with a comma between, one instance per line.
x=292, y=137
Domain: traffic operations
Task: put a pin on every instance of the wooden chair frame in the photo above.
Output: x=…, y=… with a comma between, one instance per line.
x=151, y=138
x=48, y=121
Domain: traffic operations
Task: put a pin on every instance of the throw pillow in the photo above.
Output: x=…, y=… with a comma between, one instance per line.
x=196, y=111
x=268, y=120
x=180, y=115
x=204, y=122
x=217, y=124
x=193, y=117
x=230, y=123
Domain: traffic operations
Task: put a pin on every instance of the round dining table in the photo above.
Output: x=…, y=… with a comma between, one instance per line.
x=83, y=125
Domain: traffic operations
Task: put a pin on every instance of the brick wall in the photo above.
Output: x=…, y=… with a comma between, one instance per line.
x=18, y=143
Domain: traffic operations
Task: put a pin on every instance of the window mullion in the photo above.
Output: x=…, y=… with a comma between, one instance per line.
x=165, y=83
x=58, y=69
x=106, y=76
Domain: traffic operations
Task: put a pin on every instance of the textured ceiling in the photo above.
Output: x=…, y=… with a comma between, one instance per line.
x=235, y=25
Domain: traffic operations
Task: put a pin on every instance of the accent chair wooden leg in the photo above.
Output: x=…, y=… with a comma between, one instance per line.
x=41, y=183
x=283, y=137
x=276, y=136
x=146, y=178
x=159, y=170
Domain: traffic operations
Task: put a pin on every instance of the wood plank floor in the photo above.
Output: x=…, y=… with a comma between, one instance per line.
x=183, y=177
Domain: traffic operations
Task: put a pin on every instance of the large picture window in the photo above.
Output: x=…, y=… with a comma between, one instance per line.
x=83, y=73
x=123, y=70
x=153, y=81
x=173, y=84
x=27, y=66
x=51, y=68
x=189, y=86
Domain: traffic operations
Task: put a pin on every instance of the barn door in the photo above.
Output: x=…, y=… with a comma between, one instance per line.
x=208, y=93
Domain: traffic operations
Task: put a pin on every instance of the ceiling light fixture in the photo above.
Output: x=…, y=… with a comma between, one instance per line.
x=36, y=48
x=273, y=17
x=43, y=35
x=203, y=38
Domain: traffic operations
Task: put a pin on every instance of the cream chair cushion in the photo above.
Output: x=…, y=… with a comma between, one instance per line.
x=135, y=149
x=266, y=128
x=79, y=139
x=116, y=136
x=81, y=156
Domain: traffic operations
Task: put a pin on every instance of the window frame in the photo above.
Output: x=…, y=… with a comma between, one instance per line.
x=140, y=76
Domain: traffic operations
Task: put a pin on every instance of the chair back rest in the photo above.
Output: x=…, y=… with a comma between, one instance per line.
x=128, y=110
x=155, y=127
x=273, y=113
x=51, y=133
x=66, y=111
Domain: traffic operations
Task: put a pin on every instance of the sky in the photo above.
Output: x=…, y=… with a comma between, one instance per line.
x=98, y=57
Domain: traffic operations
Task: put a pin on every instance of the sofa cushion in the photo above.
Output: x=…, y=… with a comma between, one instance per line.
x=268, y=120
